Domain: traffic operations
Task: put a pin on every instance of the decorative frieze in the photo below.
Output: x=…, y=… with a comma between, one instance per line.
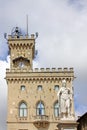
x=37, y=79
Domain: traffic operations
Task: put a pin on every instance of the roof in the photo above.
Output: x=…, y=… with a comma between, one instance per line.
x=82, y=117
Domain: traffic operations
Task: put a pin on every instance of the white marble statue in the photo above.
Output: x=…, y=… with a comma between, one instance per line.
x=64, y=98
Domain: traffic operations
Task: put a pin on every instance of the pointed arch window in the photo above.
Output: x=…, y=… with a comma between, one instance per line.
x=23, y=110
x=40, y=109
x=56, y=109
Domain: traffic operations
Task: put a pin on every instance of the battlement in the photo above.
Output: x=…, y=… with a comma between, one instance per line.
x=52, y=69
x=41, y=73
x=10, y=37
x=60, y=70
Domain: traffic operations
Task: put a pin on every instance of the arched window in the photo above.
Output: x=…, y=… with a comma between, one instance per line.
x=39, y=87
x=22, y=87
x=23, y=110
x=40, y=109
x=56, y=87
x=56, y=109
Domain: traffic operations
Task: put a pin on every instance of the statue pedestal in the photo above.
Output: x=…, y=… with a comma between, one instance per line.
x=67, y=125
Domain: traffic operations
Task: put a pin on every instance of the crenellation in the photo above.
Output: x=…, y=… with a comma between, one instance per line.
x=71, y=69
x=10, y=37
x=21, y=36
x=65, y=69
x=40, y=70
x=59, y=69
x=53, y=69
x=47, y=69
x=36, y=69
x=7, y=70
x=32, y=36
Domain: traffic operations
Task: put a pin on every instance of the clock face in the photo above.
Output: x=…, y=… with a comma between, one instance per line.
x=21, y=64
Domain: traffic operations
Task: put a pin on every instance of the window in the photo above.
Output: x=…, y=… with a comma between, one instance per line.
x=23, y=110
x=40, y=109
x=56, y=109
x=56, y=87
x=22, y=87
x=39, y=87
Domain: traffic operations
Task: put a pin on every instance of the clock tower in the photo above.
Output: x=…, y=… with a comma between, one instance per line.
x=34, y=99
x=22, y=50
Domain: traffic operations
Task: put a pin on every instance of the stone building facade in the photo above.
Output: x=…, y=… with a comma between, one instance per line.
x=82, y=122
x=33, y=103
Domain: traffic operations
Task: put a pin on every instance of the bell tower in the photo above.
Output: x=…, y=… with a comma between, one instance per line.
x=22, y=49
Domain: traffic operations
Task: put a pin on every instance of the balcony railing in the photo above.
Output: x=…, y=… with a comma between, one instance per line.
x=41, y=121
x=41, y=117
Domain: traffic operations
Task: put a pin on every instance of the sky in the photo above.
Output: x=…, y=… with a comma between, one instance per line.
x=62, y=41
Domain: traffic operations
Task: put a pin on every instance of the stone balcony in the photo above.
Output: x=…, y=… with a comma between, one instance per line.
x=41, y=121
